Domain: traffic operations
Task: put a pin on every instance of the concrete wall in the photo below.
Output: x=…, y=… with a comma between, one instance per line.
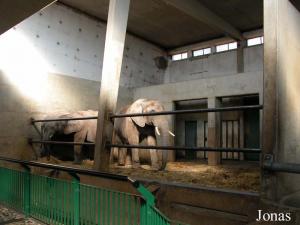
x=281, y=98
x=72, y=44
x=62, y=93
x=52, y=62
x=214, y=65
x=233, y=84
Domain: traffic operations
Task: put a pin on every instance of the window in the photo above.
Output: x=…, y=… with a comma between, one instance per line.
x=226, y=47
x=232, y=45
x=204, y=51
x=179, y=56
x=255, y=41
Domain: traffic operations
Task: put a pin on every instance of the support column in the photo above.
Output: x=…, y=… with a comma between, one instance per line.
x=112, y=62
x=214, y=131
x=240, y=56
x=281, y=113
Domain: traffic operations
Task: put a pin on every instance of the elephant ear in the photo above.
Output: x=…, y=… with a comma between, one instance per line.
x=90, y=125
x=137, y=107
x=73, y=126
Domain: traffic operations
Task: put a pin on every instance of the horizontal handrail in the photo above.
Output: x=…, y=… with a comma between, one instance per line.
x=60, y=142
x=63, y=119
x=172, y=112
x=71, y=170
x=209, y=149
x=187, y=111
x=282, y=167
x=169, y=148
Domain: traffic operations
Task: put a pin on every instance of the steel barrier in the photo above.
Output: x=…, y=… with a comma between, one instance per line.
x=173, y=112
x=270, y=165
x=56, y=201
x=218, y=149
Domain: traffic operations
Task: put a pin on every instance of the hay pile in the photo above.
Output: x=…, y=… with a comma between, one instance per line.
x=235, y=175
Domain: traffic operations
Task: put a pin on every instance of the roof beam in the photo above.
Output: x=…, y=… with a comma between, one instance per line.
x=198, y=11
x=13, y=12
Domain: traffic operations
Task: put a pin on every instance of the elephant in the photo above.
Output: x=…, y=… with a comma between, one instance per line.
x=133, y=130
x=77, y=130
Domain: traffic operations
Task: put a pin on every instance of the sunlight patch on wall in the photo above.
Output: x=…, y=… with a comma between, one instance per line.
x=23, y=65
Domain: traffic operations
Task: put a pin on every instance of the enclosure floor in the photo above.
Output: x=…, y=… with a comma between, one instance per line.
x=242, y=176
x=236, y=175
x=11, y=217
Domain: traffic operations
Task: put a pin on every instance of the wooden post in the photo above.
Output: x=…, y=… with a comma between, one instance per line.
x=112, y=62
x=214, y=131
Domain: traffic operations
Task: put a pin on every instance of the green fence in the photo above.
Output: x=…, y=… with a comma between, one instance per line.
x=56, y=201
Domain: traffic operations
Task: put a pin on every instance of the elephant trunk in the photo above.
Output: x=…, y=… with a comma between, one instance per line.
x=163, y=136
x=48, y=131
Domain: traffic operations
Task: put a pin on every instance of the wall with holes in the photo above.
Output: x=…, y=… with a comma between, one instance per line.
x=72, y=44
x=214, y=65
x=52, y=62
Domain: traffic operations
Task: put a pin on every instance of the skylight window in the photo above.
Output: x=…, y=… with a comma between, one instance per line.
x=226, y=47
x=179, y=56
x=255, y=41
x=204, y=51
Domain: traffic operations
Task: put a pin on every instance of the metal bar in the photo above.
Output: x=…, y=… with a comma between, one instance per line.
x=223, y=109
x=76, y=197
x=157, y=147
x=248, y=150
x=282, y=167
x=63, y=119
x=60, y=142
x=187, y=111
x=70, y=169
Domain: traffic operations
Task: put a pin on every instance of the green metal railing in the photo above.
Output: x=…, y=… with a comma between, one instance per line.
x=55, y=201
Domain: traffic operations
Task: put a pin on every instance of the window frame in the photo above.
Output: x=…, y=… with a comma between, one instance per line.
x=183, y=56
x=203, y=52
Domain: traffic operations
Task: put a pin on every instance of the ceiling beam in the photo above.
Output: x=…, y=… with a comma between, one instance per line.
x=198, y=11
x=13, y=12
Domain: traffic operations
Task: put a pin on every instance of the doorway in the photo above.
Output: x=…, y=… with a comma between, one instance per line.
x=190, y=138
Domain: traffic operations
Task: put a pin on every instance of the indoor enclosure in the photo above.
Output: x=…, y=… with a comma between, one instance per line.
x=150, y=112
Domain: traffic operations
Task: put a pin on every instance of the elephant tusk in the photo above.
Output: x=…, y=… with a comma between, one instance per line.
x=171, y=133
x=157, y=130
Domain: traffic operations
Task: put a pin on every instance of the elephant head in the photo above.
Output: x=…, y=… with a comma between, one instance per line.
x=48, y=130
x=160, y=122
x=82, y=129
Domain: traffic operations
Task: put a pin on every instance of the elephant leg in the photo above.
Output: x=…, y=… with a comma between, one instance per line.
x=153, y=153
x=128, y=161
x=134, y=140
x=135, y=158
x=122, y=156
x=78, y=137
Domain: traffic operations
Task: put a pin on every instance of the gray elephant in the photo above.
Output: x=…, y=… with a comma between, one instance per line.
x=133, y=130
x=73, y=130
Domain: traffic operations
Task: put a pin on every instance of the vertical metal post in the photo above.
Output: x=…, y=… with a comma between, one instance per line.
x=112, y=63
x=146, y=206
x=76, y=197
x=26, y=190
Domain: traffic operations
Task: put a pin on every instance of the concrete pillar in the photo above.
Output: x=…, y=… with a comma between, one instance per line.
x=281, y=114
x=240, y=56
x=214, y=131
x=111, y=71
